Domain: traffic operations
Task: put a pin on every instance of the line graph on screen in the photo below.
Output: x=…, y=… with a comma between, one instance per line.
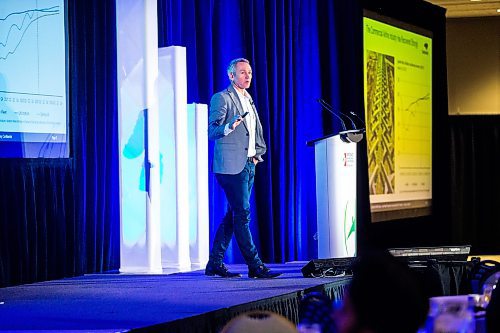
x=33, y=71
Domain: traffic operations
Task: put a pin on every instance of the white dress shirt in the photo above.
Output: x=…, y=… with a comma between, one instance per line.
x=250, y=120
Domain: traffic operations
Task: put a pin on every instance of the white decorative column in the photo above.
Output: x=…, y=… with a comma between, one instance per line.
x=198, y=185
x=137, y=62
x=174, y=151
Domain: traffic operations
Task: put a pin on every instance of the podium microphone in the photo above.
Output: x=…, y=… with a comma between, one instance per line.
x=353, y=135
x=357, y=117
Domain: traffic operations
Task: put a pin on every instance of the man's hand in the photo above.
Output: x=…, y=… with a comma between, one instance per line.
x=235, y=121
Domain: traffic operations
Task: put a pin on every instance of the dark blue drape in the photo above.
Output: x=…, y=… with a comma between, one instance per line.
x=281, y=40
x=301, y=50
x=60, y=217
x=95, y=130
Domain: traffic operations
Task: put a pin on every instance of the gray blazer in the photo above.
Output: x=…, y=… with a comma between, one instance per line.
x=230, y=151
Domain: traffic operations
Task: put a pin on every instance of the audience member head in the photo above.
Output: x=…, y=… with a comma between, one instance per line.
x=384, y=296
x=259, y=322
x=315, y=311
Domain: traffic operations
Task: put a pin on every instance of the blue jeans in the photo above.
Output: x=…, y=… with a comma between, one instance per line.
x=237, y=189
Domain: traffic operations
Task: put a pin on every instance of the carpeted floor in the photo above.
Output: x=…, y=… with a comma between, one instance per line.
x=120, y=302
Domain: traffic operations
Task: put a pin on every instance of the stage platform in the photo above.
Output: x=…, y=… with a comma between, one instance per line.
x=182, y=302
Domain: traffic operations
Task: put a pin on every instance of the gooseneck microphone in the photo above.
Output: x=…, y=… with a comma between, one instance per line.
x=358, y=117
x=354, y=134
x=329, y=109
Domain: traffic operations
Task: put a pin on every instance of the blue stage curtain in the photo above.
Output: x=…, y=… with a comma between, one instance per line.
x=95, y=114
x=60, y=217
x=281, y=40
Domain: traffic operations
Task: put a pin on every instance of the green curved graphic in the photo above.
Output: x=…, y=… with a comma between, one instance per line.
x=352, y=227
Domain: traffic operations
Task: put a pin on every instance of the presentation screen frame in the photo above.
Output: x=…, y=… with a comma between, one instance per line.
x=35, y=110
x=397, y=75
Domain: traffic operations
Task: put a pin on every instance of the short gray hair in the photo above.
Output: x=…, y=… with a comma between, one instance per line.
x=231, y=68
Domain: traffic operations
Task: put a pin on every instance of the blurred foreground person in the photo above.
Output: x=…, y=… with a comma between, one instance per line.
x=384, y=296
x=493, y=311
x=259, y=322
x=315, y=310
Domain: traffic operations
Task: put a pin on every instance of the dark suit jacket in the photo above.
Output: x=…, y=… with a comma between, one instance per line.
x=231, y=151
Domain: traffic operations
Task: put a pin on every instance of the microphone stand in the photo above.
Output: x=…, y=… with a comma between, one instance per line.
x=353, y=135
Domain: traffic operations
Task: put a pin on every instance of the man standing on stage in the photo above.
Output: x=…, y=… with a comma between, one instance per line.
x=239, y=144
